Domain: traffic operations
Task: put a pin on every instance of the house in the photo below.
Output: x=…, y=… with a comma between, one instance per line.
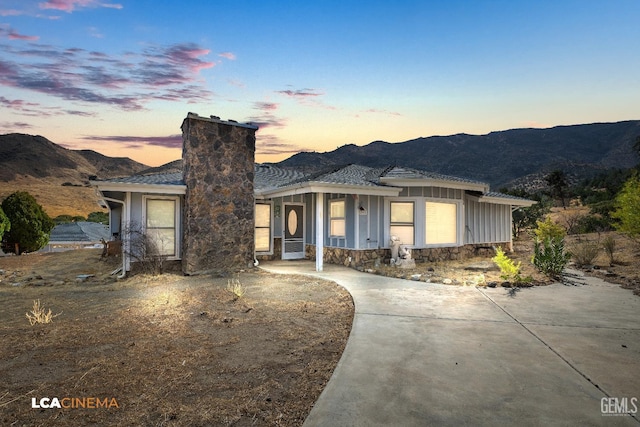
x=226, y=211
x=76, y=235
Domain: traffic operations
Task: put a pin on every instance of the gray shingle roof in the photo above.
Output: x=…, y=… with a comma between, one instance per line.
x=173, y=178
x=270, y=177
x=79, y=232
x=407, y=173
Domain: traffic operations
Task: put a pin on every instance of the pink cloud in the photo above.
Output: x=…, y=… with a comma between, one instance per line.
x=265, y=106
x=171, y=141
x=10, y=12
x=301, y=93
x=15, y=125
x=228, y=55
x=15, y=36
x=71, y=5
x=126, y=81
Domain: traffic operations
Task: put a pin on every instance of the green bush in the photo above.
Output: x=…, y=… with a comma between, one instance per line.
x=5, y=224
x=30, y=224
x=101, y=217
x=548, y=229
x=550, y=257
x=627, y=209
x=509, y=269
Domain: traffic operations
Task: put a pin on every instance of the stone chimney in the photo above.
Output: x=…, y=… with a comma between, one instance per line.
x=218, y=222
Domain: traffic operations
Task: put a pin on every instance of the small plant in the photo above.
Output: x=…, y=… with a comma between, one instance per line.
x=39, y=315
x=548, y=229
x=235, y=287
x=550, y=257
x=585, y=252
x=609, y=245
x=509, y=269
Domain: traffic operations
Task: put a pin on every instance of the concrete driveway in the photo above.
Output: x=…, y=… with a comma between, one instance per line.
x=427, y=354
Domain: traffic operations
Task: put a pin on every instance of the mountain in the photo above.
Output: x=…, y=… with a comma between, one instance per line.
x=35, y=156
x=505, y=158
x=56, y=176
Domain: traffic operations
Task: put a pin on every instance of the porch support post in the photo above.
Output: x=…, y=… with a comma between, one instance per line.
x=319, y=231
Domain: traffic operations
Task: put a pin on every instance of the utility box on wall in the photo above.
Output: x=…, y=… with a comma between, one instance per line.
x=218, y=222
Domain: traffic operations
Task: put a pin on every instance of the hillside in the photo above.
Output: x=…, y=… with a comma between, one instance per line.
x=502, y=158
x=56, y=176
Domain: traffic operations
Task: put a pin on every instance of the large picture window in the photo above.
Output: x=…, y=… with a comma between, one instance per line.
x=402, y=221
x=337, y=226
x=262, y=238
x=441, y=223
x=161, y=226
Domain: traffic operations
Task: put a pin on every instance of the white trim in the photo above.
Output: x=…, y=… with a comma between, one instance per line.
x=177, y=218
x=328, y=188
x=284, y=225
x=140, y=188
x=419, y=221
x=320, y=231
x=431, y=182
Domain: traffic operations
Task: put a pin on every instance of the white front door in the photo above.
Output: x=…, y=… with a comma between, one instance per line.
x=293, y=227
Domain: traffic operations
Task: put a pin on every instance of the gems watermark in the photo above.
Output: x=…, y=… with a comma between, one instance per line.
x=619, y=406
x=74, y=403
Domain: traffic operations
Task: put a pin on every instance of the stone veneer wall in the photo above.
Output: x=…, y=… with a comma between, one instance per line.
x=218, y=221
x=368, y=257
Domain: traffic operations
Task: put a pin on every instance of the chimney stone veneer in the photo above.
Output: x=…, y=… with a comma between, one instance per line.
x=218, y=221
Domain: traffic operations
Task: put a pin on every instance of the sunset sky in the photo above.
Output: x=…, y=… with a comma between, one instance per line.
x=119, y=77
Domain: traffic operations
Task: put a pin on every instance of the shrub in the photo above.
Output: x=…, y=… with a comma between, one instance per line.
x=549, y=230
x=235, y=287
x=5, y=224
x=609, y=245
x=550, y=257
x=145, y=249
x=627, y=209
x=101, y=217
x=30, y=224
x=585, y=252
x=39, y=315
x=509, y=269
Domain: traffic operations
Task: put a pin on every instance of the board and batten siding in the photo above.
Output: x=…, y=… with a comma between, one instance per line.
x=487, y=223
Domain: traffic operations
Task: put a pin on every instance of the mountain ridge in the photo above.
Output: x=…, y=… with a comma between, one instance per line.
x=500, y=158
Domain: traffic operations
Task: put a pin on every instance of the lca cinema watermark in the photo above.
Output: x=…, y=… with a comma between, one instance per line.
x=74, y=403
x=619, y=406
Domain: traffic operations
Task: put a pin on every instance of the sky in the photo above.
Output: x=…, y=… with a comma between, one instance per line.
x=118, y=77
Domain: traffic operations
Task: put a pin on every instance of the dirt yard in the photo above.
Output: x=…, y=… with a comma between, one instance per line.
x=167, y=350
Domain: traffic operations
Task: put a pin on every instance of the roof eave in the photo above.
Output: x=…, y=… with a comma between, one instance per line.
x=522, y=203
x=322, y=187
x=140, y=188
x=430, y=182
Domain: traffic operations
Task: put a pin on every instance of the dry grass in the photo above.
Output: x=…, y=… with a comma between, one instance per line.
x=39, y=315
x=173, y=350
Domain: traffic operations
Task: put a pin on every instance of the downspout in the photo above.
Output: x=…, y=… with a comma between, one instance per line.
x=124, y=261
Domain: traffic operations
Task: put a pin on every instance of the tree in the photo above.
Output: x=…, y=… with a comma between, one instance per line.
x=30, y=224
x=5, y=224
x=557, y=180
x=627, y=209
x=101, y=217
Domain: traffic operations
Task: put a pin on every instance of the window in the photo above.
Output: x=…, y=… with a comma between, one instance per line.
x=161, y=226
x=441, y=223
x=336, y=218
x=262, y=237
x=402, y=221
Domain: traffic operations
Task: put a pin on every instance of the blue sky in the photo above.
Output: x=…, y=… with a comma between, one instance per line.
x=118, y=77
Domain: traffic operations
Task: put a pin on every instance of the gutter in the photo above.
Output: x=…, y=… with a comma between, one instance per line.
x=124, y=261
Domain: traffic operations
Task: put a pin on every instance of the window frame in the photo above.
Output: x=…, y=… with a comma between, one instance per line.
x=342, y=218
x=411, y=224
x=457, y=217
x=176, y=224
x=270, y=227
